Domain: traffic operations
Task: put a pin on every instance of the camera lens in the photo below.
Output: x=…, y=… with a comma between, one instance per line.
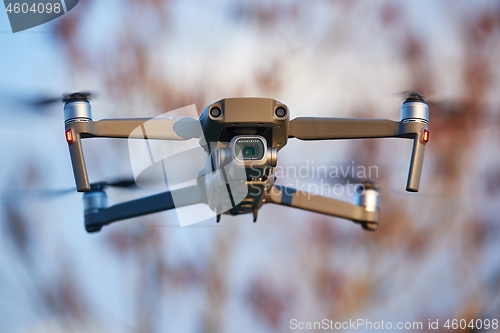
x=280, y=112
x=249, y=149
x=215, y=112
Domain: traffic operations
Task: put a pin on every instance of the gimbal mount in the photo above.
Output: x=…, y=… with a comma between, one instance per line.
x=244, y=133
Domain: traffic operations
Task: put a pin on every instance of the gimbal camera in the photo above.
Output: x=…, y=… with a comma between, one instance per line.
x=241, y=138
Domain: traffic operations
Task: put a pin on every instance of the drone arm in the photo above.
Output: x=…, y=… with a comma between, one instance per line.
x=170, y=128
x=317, y=128
x=420, y=135
x=308, y=128
x=78, y=163
x=96, y=219
x=287, y=196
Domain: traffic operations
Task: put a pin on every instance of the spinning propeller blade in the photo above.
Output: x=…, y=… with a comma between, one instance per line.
x=466, y=110
x=128, y=183
x=42, y=102
x=120, y=183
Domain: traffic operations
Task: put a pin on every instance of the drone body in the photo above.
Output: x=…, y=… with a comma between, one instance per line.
x=248, y=133
x=241, y=138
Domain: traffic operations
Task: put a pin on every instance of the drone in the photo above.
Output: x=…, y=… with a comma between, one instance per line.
x=241, y=138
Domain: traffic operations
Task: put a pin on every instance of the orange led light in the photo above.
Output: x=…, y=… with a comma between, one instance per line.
x=425, y=136
x=69, y=135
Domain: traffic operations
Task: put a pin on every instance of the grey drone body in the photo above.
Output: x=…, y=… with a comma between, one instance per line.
x=230, y=120
x=244, y=133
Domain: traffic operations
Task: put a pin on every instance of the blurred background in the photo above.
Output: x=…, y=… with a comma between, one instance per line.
x=435, y=256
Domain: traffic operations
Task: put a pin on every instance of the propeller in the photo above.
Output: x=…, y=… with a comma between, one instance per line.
x=440, y=105
x=120, y=183
x=78, y=95
x=42, y=102
x=127, y=183
x=409, y=95
x=456, y=113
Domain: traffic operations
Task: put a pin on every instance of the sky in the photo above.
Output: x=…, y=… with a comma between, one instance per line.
x=323, y=73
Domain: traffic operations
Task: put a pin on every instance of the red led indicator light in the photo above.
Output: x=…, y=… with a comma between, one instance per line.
x=69, y=135
x=425, y=136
